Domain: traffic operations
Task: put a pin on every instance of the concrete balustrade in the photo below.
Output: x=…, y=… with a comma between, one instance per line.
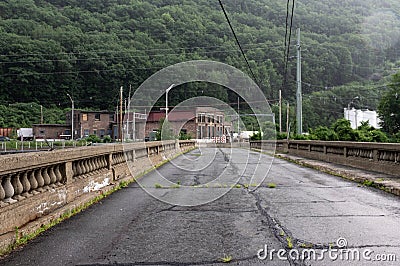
x=36, y=188
x=377, y=157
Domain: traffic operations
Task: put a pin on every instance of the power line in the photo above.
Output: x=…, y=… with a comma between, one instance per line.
x=238, y=43
x=287, y=42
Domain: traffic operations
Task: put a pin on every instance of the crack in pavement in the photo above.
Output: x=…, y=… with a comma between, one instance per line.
x=277, y=230
x=211, y=210
x=206, y=262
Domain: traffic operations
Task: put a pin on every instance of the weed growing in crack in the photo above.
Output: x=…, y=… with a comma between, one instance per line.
x=271, y=185
x=226, y=259
x=157, y=185
x=368, y=183
x=289, y=242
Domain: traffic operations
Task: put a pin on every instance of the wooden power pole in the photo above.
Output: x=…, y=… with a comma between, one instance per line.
x=120, y=135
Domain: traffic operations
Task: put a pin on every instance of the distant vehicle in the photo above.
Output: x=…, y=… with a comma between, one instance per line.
x=153, y=136
x=2, y=138
x=25, y=134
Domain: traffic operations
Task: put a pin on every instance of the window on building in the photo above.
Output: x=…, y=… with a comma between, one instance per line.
x=97, y=117
x=219, y=119
x=95, y=132
x=42, y=132
x=86, y=132
x=102, y=133
x=112, y=117
x=84, y=117
x=201, y=118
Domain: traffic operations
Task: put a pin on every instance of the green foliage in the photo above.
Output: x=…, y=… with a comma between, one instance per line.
x=90, y=48
x=256, y=136
x=107, y=139
x=323, y=133
x=165, y=131
x=26, y=114
x=389, y=107
x=184, y=136
x=93, y=139
x=342, y=128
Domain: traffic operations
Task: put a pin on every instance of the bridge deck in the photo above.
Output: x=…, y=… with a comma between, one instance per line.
x=295, y=207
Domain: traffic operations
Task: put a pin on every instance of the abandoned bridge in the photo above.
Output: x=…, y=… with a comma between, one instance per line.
x=175, y=203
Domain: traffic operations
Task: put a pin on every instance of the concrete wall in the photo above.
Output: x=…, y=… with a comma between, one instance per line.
x=37, y=188
x=377, y=157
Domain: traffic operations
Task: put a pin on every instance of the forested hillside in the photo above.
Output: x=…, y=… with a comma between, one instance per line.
x=90, y=48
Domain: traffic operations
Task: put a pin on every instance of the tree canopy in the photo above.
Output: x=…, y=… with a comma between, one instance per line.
x=89, y=48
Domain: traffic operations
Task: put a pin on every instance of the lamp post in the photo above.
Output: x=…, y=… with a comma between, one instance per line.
x=166, y=100
x=72, y=116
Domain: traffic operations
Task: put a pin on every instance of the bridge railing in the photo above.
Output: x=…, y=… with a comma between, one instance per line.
x=35, y=184
x=378, y=157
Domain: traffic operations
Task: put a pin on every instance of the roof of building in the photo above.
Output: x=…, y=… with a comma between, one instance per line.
x=49, y=125
x=173, y=116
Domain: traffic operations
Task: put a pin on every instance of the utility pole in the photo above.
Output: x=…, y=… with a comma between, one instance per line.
x=238, y=108
x=41, y=114
x=280, y=111
x=120, y=114
x=129, y=110
x=299, y=107
x=287, y=118
x=72, y=116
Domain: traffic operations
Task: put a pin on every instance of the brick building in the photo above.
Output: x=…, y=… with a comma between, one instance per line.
x=199, y=123
x=51, y=131
x=87, y=123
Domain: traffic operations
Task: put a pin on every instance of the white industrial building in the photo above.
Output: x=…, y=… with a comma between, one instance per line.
x=356, y=116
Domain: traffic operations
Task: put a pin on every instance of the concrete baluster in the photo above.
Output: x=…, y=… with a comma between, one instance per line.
x=58, y=174
x=39, y=179
x=104, y=162
x=53, y=178
x=87, y=166
x=2, y=193
x=92, y=167
x=97, y=163
x=33, y=182
x=17, y=185
x=82, y=168
x=74, y=169
x=26, y=185
x=8, y=189
x=46, y=178
x=79, y=169
x=100, y=162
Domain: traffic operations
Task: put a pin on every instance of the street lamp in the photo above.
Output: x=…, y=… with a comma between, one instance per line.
x=72, y=117
x=166, y=100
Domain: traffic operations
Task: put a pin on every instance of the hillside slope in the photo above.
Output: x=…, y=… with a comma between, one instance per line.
x=91, y=47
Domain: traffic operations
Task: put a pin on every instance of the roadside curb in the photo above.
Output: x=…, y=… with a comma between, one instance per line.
x=388, y=183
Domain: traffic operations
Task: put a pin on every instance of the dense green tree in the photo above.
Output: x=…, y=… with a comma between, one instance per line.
x=389, y=107
x=89, y=48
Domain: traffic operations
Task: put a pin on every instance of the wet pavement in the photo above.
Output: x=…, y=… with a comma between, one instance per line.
x=295, y=211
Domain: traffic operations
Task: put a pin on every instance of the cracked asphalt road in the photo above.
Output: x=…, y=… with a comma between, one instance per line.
x=307, y=208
